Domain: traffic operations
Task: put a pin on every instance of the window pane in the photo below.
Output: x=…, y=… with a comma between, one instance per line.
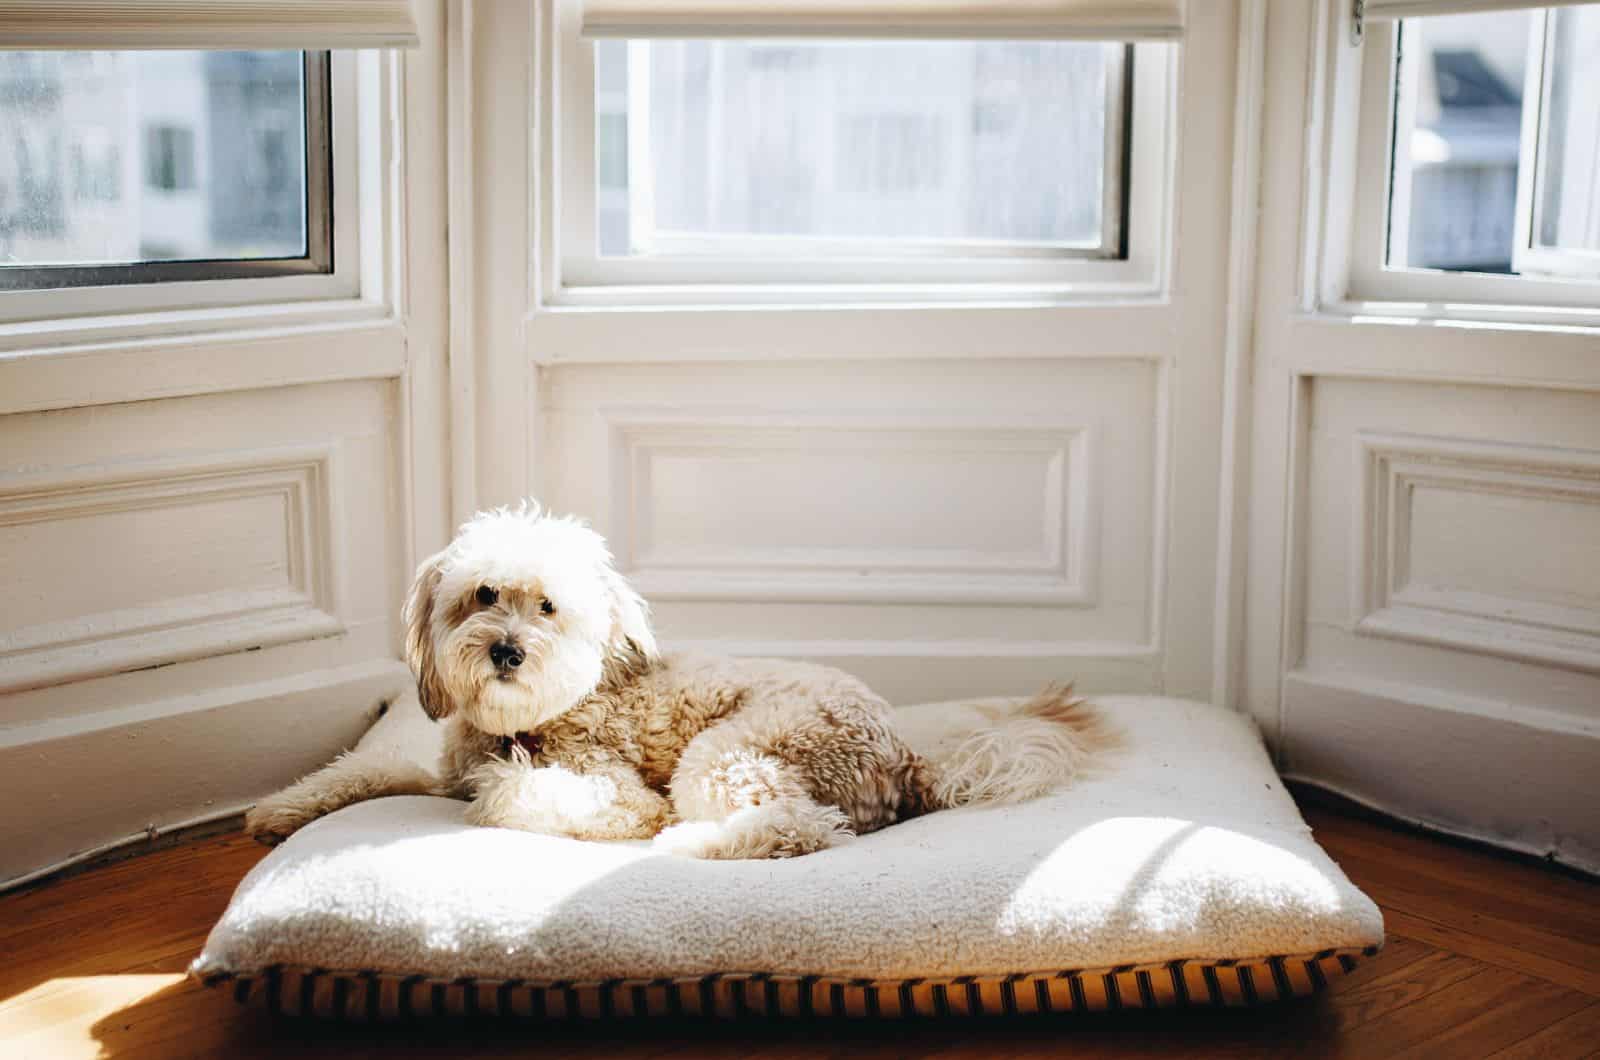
x=1455, y=174
x=1569, y=162
x=985, y=141
x=126, y=157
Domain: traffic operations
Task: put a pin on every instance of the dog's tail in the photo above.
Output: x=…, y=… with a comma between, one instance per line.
x=1020, y=752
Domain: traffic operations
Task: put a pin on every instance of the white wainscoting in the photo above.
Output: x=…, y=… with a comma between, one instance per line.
x=139, y=565
x=939, y=528
x=1469, y=766
x=1485, y=546
x=208, y=514
x=81, y=784
x=816, y=518
x=1452, y=541
x=202, y=601
x=1443, y=653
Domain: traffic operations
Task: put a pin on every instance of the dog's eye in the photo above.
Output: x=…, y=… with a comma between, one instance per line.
x=546, y=607
x=487, y=596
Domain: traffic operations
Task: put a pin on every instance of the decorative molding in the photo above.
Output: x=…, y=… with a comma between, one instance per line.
x=1244, y=202
x=115, y=369
x=461, y=349
x=182, y=627
x=1060, y=573
x=1385, y=602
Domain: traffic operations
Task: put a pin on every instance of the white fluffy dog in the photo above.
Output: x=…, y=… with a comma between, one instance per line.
x=564, y=719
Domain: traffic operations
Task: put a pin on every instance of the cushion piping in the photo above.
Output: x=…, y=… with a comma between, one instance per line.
x=369, y=996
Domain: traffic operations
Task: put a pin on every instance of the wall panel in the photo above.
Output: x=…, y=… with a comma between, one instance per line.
x=202, y=597
x=1003, y=513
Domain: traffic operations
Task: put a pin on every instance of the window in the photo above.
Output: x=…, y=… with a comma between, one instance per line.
x=782, y=167
x=151, y=166
x=884, y=148
x=1483, y=160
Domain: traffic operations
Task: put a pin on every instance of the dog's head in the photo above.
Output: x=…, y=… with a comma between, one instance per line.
x=518, y=619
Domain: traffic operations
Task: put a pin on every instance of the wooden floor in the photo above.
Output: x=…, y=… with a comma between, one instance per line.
x=1486, y=956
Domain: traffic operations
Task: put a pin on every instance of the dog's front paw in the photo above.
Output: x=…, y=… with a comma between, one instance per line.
x=555, y=800
x=785, y=829
x=549, y=799
x=274, y=819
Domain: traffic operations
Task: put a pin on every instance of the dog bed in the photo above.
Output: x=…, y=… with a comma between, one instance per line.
x=1180, y=873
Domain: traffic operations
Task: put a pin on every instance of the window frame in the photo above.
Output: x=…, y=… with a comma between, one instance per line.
x=570, y=273
x=331, y=269
x=1528, y=256
x=1365, y=278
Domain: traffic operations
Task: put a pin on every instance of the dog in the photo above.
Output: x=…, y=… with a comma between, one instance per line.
x=564, y=718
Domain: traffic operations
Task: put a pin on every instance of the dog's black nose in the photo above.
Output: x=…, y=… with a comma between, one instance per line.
x=505, y=655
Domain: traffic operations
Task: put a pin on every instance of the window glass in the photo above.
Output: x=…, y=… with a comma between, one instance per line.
x=1457, y=140
x=146, y=156
x=700, y=143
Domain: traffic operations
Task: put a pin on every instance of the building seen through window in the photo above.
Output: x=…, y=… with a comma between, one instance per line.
x=126, y=157
x=996, y=141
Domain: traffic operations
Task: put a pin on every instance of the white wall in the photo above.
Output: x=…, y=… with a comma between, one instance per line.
x=208, y=533
x=946, y=499
x=1424, y=572
x=206, y=521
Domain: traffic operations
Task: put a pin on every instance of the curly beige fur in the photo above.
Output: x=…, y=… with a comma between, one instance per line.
x=564, y=719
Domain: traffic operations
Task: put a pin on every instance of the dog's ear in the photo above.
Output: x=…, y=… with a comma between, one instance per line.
x=630, y=620
x=418, y=616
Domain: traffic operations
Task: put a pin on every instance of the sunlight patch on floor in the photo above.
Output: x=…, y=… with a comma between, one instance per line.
x=55, y=1018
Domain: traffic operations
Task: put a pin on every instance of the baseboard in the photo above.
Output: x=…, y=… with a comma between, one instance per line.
x=164, y=769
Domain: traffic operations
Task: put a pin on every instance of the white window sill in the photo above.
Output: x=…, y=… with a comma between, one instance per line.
x=135, y=357
x=1468, y=315
x=182, y=324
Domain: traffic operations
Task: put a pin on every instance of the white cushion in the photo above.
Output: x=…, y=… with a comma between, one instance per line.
x=1185, y=848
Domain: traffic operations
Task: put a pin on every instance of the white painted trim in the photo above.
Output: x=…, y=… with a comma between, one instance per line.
x=92, y=764
x=424, y=271
x=177, y=327
x=189, y=753
x=1143, y=331
x=162, y=340
x=1479, y=353
x=1178, y=334
x=191, y=627
x=1359, y=735
x=491, y=127
x=1065, y=577
x=1384, y=603
x=1238, y=348
x=461, y=141
x=148, y=834
x=920, y=649
x=905, y=672
x=144, y=369
x=1291, y=581
x=1384, y=808
x=1506, y=772
x=1348, y=193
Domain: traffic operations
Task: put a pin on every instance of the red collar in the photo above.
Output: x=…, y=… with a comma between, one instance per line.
x=530, y=742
